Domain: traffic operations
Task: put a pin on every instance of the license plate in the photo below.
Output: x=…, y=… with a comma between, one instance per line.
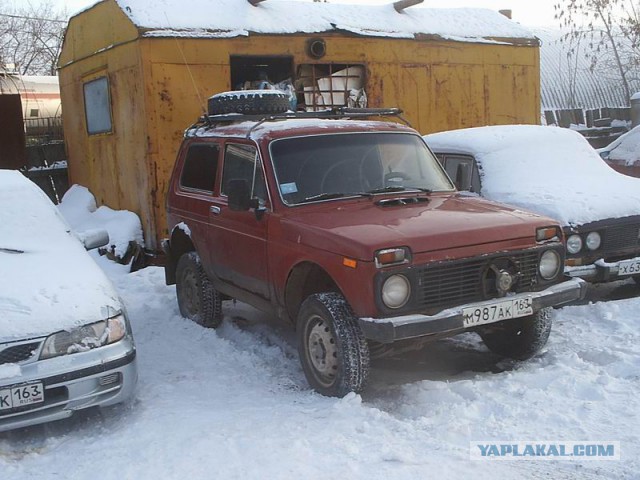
x=497, y=311
x=14, y=397
x=629, y=267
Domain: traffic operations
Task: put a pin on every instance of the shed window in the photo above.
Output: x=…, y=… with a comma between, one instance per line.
x=97, y=106
x=200, y=167
x=331, y=85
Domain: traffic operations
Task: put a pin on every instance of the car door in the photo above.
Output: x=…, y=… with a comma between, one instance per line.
x=237, y=241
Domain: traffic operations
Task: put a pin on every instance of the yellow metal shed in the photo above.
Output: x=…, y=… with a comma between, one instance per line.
x=135, y=73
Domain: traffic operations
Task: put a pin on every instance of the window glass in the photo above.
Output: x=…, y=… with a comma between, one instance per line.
x=97, y=106
x=200, y=167
x=311, y=168
x=241, y=162
x=461, y=170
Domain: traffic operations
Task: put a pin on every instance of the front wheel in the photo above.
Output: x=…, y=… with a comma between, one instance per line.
x=520, y=338
x=333, y=351
x=197, y=299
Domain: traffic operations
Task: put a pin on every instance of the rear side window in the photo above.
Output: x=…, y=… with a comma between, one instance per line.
x=200, y=167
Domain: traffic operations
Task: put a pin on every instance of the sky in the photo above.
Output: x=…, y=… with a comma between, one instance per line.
x=526, y=12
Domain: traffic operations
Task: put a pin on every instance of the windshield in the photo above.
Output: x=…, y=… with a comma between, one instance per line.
x=331, y=166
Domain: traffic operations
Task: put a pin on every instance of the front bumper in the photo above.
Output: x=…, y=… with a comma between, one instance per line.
x=388, y=330
x=601, y=271
x=100, y=377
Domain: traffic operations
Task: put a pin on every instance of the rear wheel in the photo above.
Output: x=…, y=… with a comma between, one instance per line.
x=197, y=299
x=333, y=351
x=520, y=338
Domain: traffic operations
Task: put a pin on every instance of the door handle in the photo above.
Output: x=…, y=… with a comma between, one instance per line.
x=215, y=210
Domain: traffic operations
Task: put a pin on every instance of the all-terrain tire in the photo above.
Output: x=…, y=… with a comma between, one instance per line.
x=249, y=102
x=197, y=299
x=520, y=338
x=333, y=351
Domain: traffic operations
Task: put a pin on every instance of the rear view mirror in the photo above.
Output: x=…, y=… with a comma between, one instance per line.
x=93, y=238
x=239, y=195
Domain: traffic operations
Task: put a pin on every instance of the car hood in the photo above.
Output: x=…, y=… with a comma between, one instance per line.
x=52, y=290
x=359, y=228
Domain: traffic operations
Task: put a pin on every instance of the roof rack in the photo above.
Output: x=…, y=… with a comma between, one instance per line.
x=334, y=113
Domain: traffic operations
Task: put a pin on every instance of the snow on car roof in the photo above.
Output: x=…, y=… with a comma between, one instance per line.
x=48, y=281
x=625, y=149
x=548, y=170
x=232, y=18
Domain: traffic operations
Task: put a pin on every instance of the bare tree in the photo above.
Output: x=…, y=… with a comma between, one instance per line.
x=609, y=28
x=31, y=37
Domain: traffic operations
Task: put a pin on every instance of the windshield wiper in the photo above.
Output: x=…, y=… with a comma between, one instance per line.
x=329, y=196
x=10, y=250
x=398, y=188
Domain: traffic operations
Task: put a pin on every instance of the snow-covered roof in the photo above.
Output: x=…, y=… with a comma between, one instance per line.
x=548, y=170
x=231, y=18
x=568, y=81
x=49, y=283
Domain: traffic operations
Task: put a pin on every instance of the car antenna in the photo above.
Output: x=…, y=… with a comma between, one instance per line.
x=186, y=64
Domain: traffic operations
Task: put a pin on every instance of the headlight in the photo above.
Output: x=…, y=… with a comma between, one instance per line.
x=549, y=264
x=574, y=244
x=395, y=291
x=593, y=241
x=84, y=338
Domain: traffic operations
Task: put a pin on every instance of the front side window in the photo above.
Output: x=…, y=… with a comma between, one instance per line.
x=97, y=106
x=330, y=166
x=242, y=162
x=200, y=167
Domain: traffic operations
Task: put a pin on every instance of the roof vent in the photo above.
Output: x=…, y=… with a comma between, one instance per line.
x=400, y=5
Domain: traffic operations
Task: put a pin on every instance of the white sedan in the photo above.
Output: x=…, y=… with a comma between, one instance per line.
x=554, y=172
x=65, y=342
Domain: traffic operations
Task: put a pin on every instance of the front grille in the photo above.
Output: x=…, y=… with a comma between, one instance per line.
x=18, y=353
x=622, y=237
x=457, y=282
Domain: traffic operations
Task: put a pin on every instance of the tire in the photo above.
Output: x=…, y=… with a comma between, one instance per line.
x=333, y=351
x=520, y=338
x=249, y=102
x=197, y=299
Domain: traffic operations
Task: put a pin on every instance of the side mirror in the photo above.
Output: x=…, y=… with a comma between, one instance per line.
x=461, y=175
x=239, y=195
x=93, y=238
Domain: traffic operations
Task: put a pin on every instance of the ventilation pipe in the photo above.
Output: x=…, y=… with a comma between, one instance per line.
x=400, y=5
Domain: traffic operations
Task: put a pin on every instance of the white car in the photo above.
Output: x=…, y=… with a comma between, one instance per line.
x=65, y=342
x=554, y=172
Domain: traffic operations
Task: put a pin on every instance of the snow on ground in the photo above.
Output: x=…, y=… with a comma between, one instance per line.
x=549, y=170
x=233, y=403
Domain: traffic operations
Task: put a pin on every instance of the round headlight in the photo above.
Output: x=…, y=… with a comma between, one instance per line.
x=574, y=244
x=593, y=241
x=395, y=291
x=549, y=264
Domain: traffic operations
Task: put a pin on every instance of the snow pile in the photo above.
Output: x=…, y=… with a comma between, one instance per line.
x=230, y=18
x=233, y=403
x=626, y=149
x=47, y=281
x=549, y=170
x=78, y=206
